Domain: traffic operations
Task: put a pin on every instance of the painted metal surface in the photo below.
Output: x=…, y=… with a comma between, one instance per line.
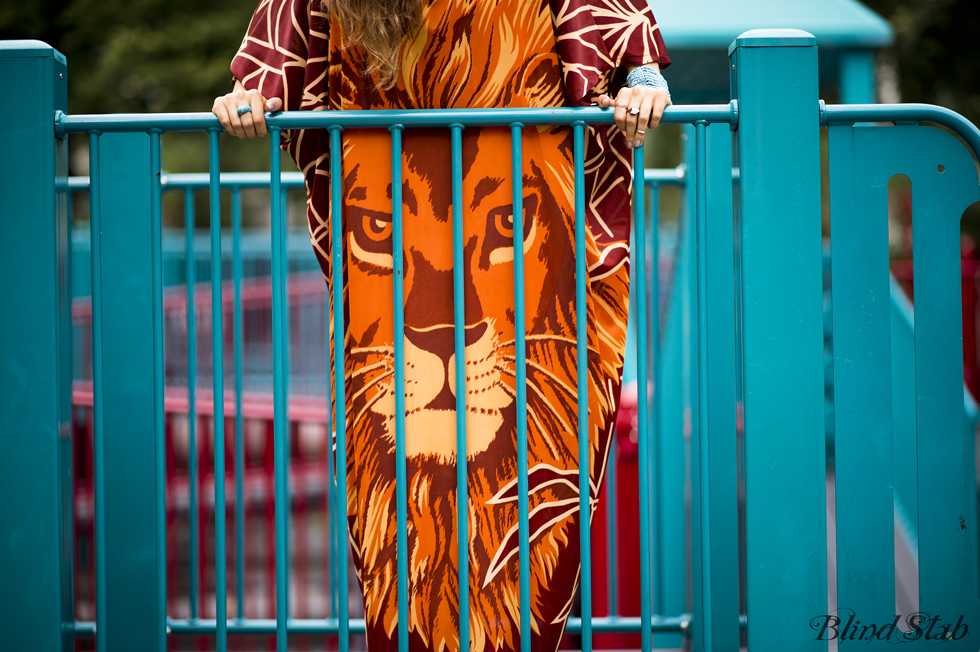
x=702, y=24
x=398, y=309
x=781, y=314
x=944, y=183
x=36, y=515
x=774, y=365
x=714, y=504
x=520, y=368
x=128, y=445
x=862, y=383
x=67, y=124
x=582, y=388
x=459, y=346
x=643, y=419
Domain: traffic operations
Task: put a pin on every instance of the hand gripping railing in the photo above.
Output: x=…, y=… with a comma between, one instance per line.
x=395, y=121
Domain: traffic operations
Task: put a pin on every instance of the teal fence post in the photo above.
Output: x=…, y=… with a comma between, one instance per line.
x=857, y=77
x=128, y=400
x=36, y=524
x=778, y=278
x=715, y=587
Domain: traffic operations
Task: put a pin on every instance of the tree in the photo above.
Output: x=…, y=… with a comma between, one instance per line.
x=937, y=49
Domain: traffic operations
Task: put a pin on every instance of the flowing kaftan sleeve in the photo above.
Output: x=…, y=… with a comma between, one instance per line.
x=595, y=40
x=284, y=55
x=597, y=37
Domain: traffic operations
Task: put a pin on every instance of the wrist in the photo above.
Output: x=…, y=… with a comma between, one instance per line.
x=647, y=76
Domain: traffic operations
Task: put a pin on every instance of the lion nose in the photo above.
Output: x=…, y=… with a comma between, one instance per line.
x=441, y=340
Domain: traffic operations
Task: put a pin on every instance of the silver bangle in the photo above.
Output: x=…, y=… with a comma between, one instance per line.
x=647, y=76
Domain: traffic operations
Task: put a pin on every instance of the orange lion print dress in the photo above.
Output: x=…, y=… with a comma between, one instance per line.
x=468, y=54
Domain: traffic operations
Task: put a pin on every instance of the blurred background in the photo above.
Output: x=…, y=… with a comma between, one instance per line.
x=173, y=55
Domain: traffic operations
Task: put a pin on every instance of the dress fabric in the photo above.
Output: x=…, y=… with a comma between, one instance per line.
x=468, y=54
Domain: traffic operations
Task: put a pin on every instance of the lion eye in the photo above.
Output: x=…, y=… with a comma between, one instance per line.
x=376, y=229
x=505, y=225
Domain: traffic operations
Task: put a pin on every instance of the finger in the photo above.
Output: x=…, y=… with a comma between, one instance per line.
x=248, y=122
x=221, y=111
x=255, y=118
x=273, y=104
x=605, y=101
x=636, y=98
x=622, y=104
x=643, y=119
x=661, y=102
x=232, y=102
x=258, y=113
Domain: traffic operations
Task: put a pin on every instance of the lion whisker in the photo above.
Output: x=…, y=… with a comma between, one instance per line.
x=550, y=376
x=374, y=382
x=551, y=407
x=364, y=370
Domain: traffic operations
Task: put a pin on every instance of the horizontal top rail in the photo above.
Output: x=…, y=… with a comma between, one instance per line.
x=849, y=114
x=665, y=176
x=163, y=122
x=241, y=180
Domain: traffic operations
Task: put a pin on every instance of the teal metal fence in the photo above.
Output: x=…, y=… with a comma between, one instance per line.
x=746, y=319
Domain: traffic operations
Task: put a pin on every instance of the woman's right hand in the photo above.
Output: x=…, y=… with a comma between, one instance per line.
x=251, y=123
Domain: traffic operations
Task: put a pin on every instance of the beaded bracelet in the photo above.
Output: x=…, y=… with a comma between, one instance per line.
x=647, y=76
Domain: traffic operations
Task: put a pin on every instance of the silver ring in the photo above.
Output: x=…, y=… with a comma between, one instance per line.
x=622, y=105
x=634, y=110
x=243, y=109
x=640, y=132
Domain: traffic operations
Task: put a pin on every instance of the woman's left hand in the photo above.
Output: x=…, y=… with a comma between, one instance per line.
x=651, y=103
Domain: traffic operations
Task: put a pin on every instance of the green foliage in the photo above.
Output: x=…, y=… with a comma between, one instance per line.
x=136, y=55
x=937, y=48
x=145, y=56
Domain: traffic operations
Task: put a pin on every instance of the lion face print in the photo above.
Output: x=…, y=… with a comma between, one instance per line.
x=430, y=380
x=467, y=54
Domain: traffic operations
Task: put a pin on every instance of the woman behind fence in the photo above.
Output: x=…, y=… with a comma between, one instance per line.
x=426, y=54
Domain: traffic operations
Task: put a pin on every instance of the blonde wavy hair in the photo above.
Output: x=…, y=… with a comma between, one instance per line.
x=379, y=27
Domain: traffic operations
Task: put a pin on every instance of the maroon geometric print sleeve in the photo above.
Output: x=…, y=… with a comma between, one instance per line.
x=597, y=37
x=284, y=55
x=273, y=54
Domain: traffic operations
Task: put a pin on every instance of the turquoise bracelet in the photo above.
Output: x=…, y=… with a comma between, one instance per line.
x=646, y=76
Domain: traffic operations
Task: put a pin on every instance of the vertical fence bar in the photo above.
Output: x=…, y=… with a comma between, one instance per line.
x=612, y=504
x=702, y=593
x=236, y=271
x=340, y=382
x=95, y=221
x=520, y=368
x=582, y=358
x=332, y=549
x=283, y=215
x=652, y=335
x=218, y=384
x=193, y=515
x=159, y=415
x=279, y=393
x=459, y=326
x=639, y=258
x=401, y=493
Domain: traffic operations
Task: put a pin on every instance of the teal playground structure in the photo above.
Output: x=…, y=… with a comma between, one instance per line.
x=803, y=446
